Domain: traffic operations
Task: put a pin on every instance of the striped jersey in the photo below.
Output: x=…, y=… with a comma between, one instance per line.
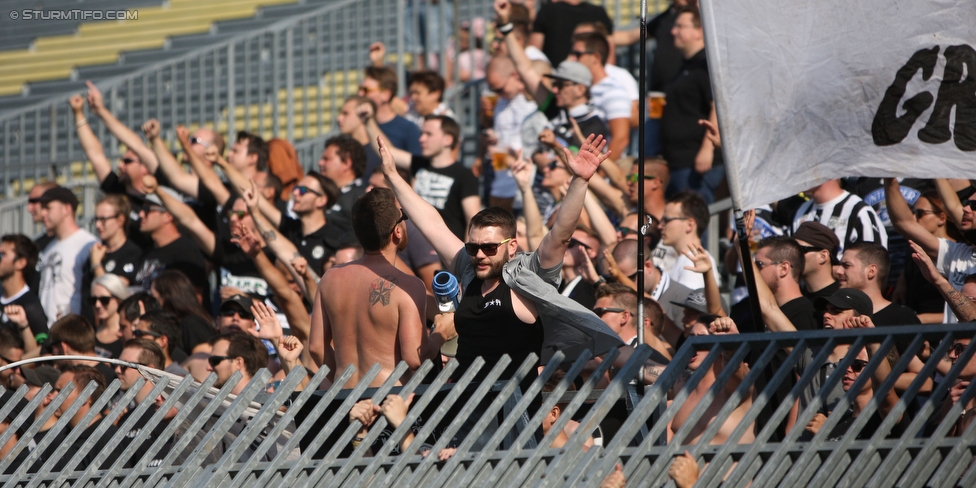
x=848, y=216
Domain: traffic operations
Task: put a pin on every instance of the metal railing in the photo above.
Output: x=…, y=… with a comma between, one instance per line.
x=286, y=80
x=14, y=218
x=304, y=438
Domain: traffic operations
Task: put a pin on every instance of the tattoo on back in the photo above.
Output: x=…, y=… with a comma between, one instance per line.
x=380, y=290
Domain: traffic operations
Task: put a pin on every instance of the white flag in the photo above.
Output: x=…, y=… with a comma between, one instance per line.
x=807, y=91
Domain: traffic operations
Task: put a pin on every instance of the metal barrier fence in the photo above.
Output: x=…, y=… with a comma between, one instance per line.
x=304, y=438
x=283, y=79
x=14, y=218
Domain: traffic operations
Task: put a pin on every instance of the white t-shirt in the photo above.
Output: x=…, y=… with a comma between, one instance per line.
x=61, y=265
x=611, y=98
x=691, y=279
x=625, y=79
x=534, y=54
x=956, y=261
x=509, y=115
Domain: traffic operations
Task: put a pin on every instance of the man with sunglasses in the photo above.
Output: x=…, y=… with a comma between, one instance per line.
x=819, y=245
x=164, y=329
x=172, y=249
x=62, y=263
x=509, y=298
x=657, y=286
x=11, y=351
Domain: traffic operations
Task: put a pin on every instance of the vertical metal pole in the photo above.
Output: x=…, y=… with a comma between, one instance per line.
x=231, y=92
x=400, y=45
x=290, y=81
x=641, y=109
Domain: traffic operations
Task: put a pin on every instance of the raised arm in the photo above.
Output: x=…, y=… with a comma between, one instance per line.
x=532, y=79
x=237, y=180
x=904, y=220
x=534, y=230
x=89, y=141
x=201, y=234
x=124, y=134
x=583, y=166
x=961, y=305
x=182, y=181
x=421, y=213
x=703, y=264
x=609, y=195
x=290, y=301
x=881, y=373
x=18, y=316
x=950, y=199
x=599, y=221
x=206, y=174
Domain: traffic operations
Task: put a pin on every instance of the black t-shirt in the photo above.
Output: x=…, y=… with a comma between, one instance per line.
x=32, y=307
x=123, y=262
x=316, y=247
x=181, y=254
x=689, y=97
x=110, y=350
x=895, y=314
x=143, y=448
x=801, y=313
x=920, y=294
x=667, y=58
x=557, y=20
x=589, y=123
x=340, y=215
x=444, y=189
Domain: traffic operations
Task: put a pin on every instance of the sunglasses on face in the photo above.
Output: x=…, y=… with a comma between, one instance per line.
x=553, y=165
x=600, y=312
x=147, y=209
x=971, y=204
x=197, y=140
x=35, y=201
x=103, y=300
x=238, y=213
x=8, y=360
x=123, y=368
x=365, y=89
x=761, y=265
x=490, y=249
x=230, y=312
x=138, y=334
x=215, y=360
x=128, y=160
x=953, y=352
x=403, y=217
x=574, y=242
x=921, y=212
x=562, y=84
x=807, y=249
x=668, y=220
x=635, y=177
x=105, y=219
x=626, y=231
x=580, y=53
x=302, y=190
x=858, y=365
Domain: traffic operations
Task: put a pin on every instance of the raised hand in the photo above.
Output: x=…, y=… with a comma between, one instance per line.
x=250, y=196
x=955, y=393
x=150, y=183
x=723, y=325
x=503, y=9
x=394, y=408
x=389, y=164
x=77, y=104
x=98, y=251
x=183, y=135
x=270, y=326
x=365, y=112
x=816, y=423
x=925, y=264
x=522, y=172
x=290, y=349
x=16, y=314
x=615, y=479
x=151, y=129
x=248, y=242
x=589, y=158
x=377, y=53
x=586, y=268
x=711, y=132
x=95, y=101
x=860, y=322
x=702, y=263
x=547, y=137
x=301, y=265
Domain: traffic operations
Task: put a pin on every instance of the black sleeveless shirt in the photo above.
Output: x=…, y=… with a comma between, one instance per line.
x=488, y=327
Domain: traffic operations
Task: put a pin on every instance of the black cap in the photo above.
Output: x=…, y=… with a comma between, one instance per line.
x=847, y=299
x=59, y=194
x=243, y=300
x=40, y=375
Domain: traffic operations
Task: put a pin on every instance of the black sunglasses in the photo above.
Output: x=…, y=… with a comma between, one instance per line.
x=971, y=204
x=600, y=312
x=858, y=365
x=128, y=160
x=34, y=200
x=403, y=217
x=146, y=209
x=103, y=300
x=123, y=368
x=215, y=360
x=302, y=190
x=554, y=164
x=807, y=249
x=238, y=213
x=626, y=231
x=580, y=53
x=197, y=140
x=574, y=242
x=8, y=360
x=230, y=312
x=956, y=350
x=490, y=249
x=138, y=333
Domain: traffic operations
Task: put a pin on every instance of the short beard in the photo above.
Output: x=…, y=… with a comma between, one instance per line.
x=494, y=272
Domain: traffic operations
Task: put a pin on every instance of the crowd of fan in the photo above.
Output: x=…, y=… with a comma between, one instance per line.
x=228, y=261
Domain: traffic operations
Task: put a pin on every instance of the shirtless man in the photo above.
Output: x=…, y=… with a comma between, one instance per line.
x=367, y=311
x=716, y=325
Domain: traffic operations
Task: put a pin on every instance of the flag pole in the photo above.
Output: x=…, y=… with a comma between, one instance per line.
x=639, y=161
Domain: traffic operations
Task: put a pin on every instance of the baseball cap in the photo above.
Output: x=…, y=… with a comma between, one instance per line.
x=40, y=375
x=847, y=299
x=573, y=71
x=59, y=194
x=153, y=199
x=818, y=235
x=243, y=300
x=695, y=301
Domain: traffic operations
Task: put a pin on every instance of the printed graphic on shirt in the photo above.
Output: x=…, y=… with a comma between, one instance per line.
x=433, y=187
